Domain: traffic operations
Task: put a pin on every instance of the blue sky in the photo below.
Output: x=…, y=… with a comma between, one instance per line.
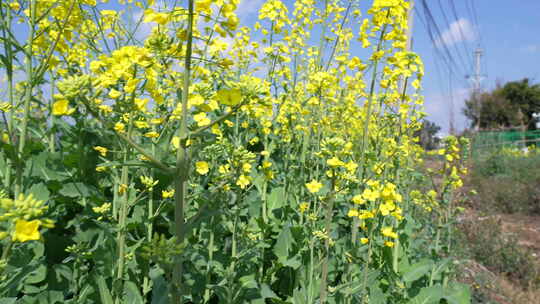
x=507, y=31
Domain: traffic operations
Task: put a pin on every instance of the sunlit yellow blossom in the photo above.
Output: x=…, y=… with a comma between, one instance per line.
x=167, y=193
x=61, y=107
x=102, y=150
x=334, y=162
x=303, y=207
x=388, y=231
x=389, y=244
x=229, y=97
x=151, y=134
x=159, y=18
x=15, y=6
x=201, y=119
x=202, y=167
x=352, y=213
x=246, y=167
x=114, y=94
x=370, y=194
x=243, y=181
x=358, y=199
x=26, y=230
x=314, y=186
x=364, y=240
x=119, y=127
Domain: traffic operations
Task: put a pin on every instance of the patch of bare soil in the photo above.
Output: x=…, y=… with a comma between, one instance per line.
x=496, y=288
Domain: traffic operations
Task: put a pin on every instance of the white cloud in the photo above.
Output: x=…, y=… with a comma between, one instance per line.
x=531, y=48
x=247, y=7
x=459, y=31
x=438, y=108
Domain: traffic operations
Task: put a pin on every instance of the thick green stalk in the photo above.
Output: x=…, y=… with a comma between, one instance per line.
x=182, y=166
x=27, y=99
x=122, y=217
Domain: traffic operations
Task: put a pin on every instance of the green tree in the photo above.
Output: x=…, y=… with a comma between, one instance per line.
x=428, y=135
x=510, y=105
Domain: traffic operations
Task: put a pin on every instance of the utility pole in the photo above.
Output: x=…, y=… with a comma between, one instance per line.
x=476, y=80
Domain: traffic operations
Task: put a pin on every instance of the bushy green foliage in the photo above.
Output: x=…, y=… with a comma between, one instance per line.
x=507, y=180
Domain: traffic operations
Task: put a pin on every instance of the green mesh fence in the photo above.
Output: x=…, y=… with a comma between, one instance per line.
x=493, y=140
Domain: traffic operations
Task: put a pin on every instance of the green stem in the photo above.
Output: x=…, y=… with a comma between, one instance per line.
x=182, y=166
x=27, y=99
x=121, y=235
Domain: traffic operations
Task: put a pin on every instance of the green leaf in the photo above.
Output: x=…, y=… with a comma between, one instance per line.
x=417, y=270
x=37, y=275
x=457, y=293
x=104, y=292
x=428, y=295
x=276, y=199
x=132, y=293
x=284, y=244
x=376, y=295
x=160, y=290
x=267, y=293
x=74, y=190
x=39, y=191
x=8, y=300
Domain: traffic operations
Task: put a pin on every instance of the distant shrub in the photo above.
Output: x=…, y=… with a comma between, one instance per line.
x=507, y=181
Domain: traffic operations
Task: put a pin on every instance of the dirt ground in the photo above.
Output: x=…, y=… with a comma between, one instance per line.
x=497, y=288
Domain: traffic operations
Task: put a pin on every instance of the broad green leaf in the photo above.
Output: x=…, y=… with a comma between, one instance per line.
x=376, y=295
x=457, y=293
x=284, y=244
x=428, y=295
x=104, y=292
x=417, y=270
x=160, y=289
x=74, y=190
x=39, y=191
x=132, y=293
x=276, y=199
x=37, y=275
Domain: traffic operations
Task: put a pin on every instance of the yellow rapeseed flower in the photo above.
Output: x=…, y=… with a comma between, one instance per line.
x=61, y=107
x=387, y=231
x=303, y=207
x=243, y=181
x=102, y=150
x=167, y=193
x=114, y=94
x=334, y=162
x=229, y=97
x=26, y=231
x=202, y=167
x=201, y=119
x=314, y=186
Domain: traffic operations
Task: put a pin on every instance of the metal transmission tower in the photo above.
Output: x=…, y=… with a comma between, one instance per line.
x=476, y=80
